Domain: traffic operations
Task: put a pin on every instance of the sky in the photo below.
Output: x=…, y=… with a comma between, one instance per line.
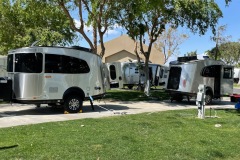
x=195, y=42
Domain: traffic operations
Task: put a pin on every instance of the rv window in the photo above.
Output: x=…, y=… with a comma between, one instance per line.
x=10, y=63
x=65, y=64
x=28, y=62
x=208, y=71
x=112, y=72
x=227, y=73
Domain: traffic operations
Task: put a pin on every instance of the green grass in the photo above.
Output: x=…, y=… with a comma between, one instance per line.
x=236, y=85
x=134, y=95
x=166, y=135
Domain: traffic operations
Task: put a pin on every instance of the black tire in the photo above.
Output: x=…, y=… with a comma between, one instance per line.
x=73, y=104
x=130, y=87
x=208, y=98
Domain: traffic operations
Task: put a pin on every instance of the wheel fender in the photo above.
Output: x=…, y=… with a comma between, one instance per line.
x=74, y=91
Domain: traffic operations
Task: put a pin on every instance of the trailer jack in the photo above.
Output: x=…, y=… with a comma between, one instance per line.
x=91, y=102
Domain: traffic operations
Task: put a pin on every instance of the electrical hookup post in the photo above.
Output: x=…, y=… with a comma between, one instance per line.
x=200, y=101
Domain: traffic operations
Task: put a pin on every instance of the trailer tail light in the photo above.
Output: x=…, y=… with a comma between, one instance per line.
x=48, y=76
x=184, y=83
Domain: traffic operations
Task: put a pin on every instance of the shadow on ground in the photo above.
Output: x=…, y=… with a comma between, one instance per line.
x=192, y=102
x=45, y=110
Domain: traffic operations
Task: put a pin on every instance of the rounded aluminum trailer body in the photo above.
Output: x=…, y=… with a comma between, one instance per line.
x=46, y=86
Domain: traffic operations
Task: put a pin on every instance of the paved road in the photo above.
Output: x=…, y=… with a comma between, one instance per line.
x=18, y=114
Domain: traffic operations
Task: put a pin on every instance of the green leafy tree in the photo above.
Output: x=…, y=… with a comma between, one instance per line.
x=23, y=22
x=192, y=53
x=98, y=14
x=229, y=52
x=219, y=38
x=148, y=18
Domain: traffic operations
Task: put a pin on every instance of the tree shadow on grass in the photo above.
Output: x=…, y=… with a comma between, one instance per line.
x=8, y=147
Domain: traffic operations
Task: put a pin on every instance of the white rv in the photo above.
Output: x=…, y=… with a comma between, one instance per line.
x=3, y=66
x=158, y=74
x=236, y=75
x=128, y=74
x=187, y=73
x=123, y=74
x=54, y=75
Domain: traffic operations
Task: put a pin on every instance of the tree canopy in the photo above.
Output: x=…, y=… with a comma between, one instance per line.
x=23, y=22
x=148, y=18
x=98, y=14
x=229, y=52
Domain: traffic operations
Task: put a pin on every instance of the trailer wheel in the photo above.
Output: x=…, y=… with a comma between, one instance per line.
x=130, y=87
x=73, y=104
x=179, y=98
x=208, y=98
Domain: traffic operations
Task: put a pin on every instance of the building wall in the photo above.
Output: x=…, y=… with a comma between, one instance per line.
x=122, y=56
x=125, y=45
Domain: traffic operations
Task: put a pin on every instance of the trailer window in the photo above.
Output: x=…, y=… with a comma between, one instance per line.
x=10, y=63
x=227, y=73
x=28, y=62
x=65, y=64
x=208, y=71
x=113, y=75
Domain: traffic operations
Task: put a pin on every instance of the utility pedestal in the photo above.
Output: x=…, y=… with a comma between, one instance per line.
x=200, y=101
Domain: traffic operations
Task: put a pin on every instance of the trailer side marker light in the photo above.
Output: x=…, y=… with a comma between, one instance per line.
x=48, y=76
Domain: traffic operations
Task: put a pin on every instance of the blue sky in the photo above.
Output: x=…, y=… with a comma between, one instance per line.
x=195, y=42
x=231, y=18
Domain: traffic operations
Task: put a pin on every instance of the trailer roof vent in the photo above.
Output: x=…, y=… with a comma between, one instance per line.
x=186, y=59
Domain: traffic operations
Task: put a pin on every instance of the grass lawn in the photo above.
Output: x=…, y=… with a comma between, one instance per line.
x=166, y=135
x=236, y=85
x=134, y=95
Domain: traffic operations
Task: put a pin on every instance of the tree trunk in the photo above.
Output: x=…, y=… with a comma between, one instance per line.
x=147, y=81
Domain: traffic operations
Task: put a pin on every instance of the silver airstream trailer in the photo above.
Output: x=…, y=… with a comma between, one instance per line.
x=123, y=74
x=54, y=76
x=128, y=74
x=187, y=73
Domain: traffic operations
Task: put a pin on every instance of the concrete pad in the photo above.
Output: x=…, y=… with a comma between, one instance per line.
x=22, y=114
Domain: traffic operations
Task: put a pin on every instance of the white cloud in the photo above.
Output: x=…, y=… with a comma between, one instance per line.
x=86, y=28
x=114, y=30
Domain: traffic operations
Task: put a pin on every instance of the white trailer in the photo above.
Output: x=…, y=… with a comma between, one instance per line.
x=187, y=73
x=236, y=75
x=123, y=74
x=158, y=74
x=54, y=76
x=3, y=66
x=128, y=74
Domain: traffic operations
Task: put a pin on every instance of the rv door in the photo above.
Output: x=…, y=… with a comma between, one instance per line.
x=119, y=73
x=227, y=80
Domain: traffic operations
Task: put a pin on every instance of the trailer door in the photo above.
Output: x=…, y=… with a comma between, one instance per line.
x=116, y=74
x=227, y=80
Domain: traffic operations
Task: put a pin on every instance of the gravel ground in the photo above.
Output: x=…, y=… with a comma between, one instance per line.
x=21, y=114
